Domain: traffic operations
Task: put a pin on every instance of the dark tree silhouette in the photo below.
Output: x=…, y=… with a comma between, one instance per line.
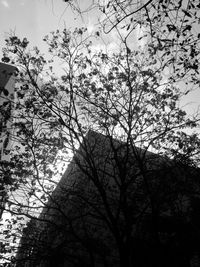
x=117, y=200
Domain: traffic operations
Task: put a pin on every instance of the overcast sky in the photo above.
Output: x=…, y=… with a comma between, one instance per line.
x=34, y=19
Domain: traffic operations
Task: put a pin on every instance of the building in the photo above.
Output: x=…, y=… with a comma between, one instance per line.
x=117, y=205
x=7, y=84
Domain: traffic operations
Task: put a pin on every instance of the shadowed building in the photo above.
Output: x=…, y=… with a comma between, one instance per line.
x=117, y=205
x=7, y=83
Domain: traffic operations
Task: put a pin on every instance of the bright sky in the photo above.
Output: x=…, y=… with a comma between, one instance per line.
x=36, y=18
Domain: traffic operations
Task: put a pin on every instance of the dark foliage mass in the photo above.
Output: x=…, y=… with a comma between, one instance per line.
x=118, y=204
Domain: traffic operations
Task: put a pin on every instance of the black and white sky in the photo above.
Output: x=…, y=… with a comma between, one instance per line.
x=34, y=19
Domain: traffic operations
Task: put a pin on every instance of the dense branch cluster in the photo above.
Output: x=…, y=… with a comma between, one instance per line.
x=126, y=103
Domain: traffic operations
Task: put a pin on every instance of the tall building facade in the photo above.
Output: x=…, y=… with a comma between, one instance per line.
x=117, y=205
x=7, y=84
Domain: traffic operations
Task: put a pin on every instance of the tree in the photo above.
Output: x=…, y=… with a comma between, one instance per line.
x=170, y=28
x=124, y=96
x=119, y=14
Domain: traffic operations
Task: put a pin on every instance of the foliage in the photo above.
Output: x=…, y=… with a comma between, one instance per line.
x=171, y=28
x=123, y=95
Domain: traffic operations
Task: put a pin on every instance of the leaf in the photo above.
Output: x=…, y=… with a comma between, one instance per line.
x=5, y=59
x=180, y=3
x=5, y=91
x=128, y=50
x=171, y=27
x=187, y=13
x=180, y=145
x=114, y=8
x=61, y=121
x=188, y=27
